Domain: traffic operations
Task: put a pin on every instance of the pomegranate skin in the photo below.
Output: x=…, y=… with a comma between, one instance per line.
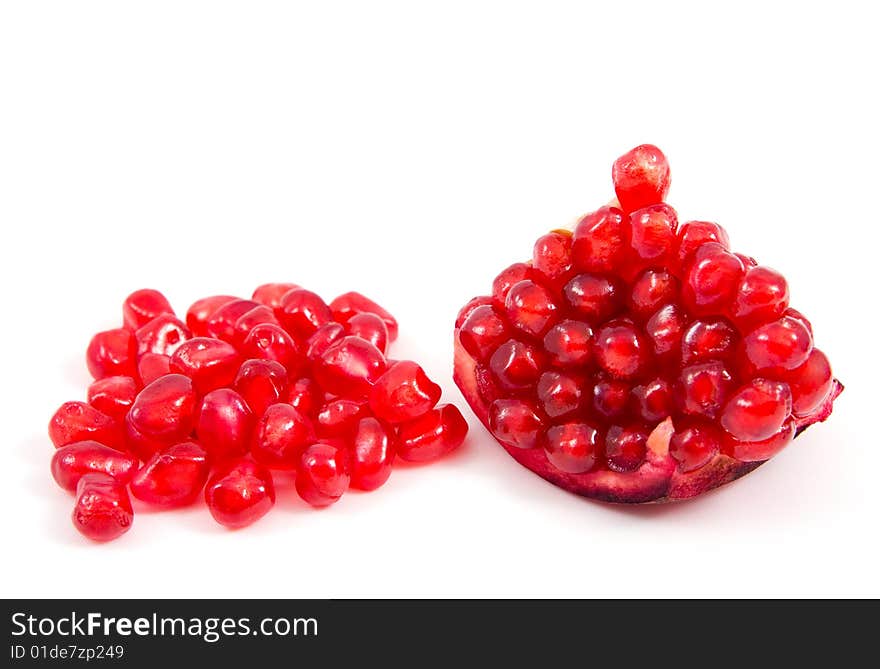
x=102, y=511
x=239, y=493
x=70, y=463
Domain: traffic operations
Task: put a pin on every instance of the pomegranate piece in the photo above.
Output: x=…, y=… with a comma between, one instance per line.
x=340, y=417
x=239, y=493
x=369, y=327
x=639, y=360
x=322, y=475
x=164, y=410
x=261, y=383
x=347, y=305
x=163, y=335
x=142, y=306
x=432, y=435
x=350, y=367
x=77, y=421
x=270, y=294
x=112, y=353
x=102, y=510
x=281, y=436
x=151, y=366
x=172, y=477
x=301, y=312
x=305, y=395
x=322, y=339
x=113, y=395
x=210, y=363
x=271, y=342
x=200, y=312
x=261, y=315
x=403, y=393
x=224, y=424
x=372, y=454
x=221, y=324
x=70, y=463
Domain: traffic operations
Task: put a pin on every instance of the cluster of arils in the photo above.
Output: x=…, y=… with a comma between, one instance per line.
x=213, y=405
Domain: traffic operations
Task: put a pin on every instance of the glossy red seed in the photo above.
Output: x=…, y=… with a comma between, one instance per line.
x=810, y=383
x=708, y=339
x=261, y=383
x=797, y=315
x=641, y=177
x=653, y=400
x=372, y=454
x=102, y=510
x=625, y=447
x=693, y=234
x=530, y=307
x=469, y=308
x=302, y=312
x=272, y=342
x=271, y=294
x=601, y=241
x=280, y=437
x=610, y=398
x=163, y=335
x=151, y=366
x=572, y=447
x=305, y=395
x=340, y=417
x=224, y=424
x=369, y=327
x=172, y=477
x=653, y=237
x=665, y=329
x=210, y=363
x=200, y=312
x=221, y=324
x=595, y=298
x=432, y=435
x=322, y=475
x=403, y=393
x=112, y=353
x=756, y=451
x=165, y=409
x=694, y=444
x=703, y=388
x=142, y=306
x=712, y=279
x=141, y=444
x=71, y=462
x=77, y=421
x=757, y=410
x=509, y=277
x=348, y=304
x=621, y=350
x=569, y=344
x=762, y=296
x=652, y=290
x=516, y=365
x=482, y=332
x=515, y=423
x=784, y=343
x=559, y=394
x=322, y=339
x=261, y=315
x=350, y=367
x=113, y=395
x=551, y=255
x=240, y=493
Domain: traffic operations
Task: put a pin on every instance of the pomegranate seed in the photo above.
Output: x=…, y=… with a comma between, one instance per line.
x=552, y=255
x=340, y=417
x=305, y=396
x=653, y=400
x=559, y=394
x=653, y=233
x=350, y=367
x=611, y=398
x=70, y=463
x=703, y=388
x=641, y=177
x=281, y=436
x=224, y=425
x=200, y=312
x=600, y=241
x=569, y=344
x=621, y=350
x=625, y=447
x=261, y=315
x=531, y=308
x=347, y=305
x=785, y=343
x=762, y=296
x=151, y=366
x=482, y=332
x=370, y=327
x=797, y=315
x=173, y=477
x=221, y=324
x=113, y=395
x=261, y=383
x=271, y=294
x=571, y=447
x=713, y=278
x=102, y=511
x=651, y=290
x=142, y=306
x=210, y=363
x=694, y=444
x=271, y=342
x=302, y=312
x=665, y=329
x=468, y=309
x=692, y=235
x=757, y=451
x=432, y=435
x=708, y=339
x=163, y=335
x=403, y=393
x=322, y=339
x=112, y=353
x=240, y=493
x=77, y=421
x=595, y=298
x=515, y=423
x=757, y=410
x=322, y=475
x=372, y=454
x=141, y=444
x=810, y=383
x=516, y=365
x=164, y=410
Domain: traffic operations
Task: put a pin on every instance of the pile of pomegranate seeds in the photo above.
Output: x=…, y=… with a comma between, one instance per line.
x=212, y=404
x=638, y=358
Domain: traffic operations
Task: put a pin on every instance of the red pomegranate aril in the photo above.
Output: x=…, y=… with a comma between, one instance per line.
x=72, y=462
x=302, y=312
x=165, y=409
x=785, y=344
x=703, y=388
x=142, y=306
x=531, y=308
x=516, y=365
x=372, y=454
x=271, y=342
x=348, y=304
x=559, y=394
x=350, y=367
x=571, y=447
x=651, y=290
x=102, y=511
x=173, y=477
x=515, y=423
x=708, y=339
x=78, y=421
x=112, y=353
x=653, y=234
x=594, y=297
x=261, y=315
x=432, y=435
x=641, y=177
x=200, y=312
x=810, y=383
x=271, y=294
x=468, y=309
x=224, y=424
x=762, y=296
x=322, y=475
x=221, y=324
x=693, y=234
x=551, y=255
x=280, y=437
x=151, y=366
x=621, y=350
x=600, y=241
x=653, y=400
x=757, y=451
x=797, y=315
x=508, y=278
x=625, y=447
x=369, y=327
x=569, y=344
x=665, y=329
x=261, y=383
x=610, y=398
x=163, y=335
x=757, y=410
x=694, y=444
x=210, y=363
x=141, y=444
x=340, y=417
x=482, y=332
x=403, y=393
x=712, y=279
x=322, y=339
x=305, y=396
x=113, y=395
x=240, y=493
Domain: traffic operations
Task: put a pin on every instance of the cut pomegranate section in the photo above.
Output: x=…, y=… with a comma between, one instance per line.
x=638, y=359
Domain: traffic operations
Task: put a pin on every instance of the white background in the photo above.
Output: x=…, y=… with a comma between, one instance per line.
x=410, y=151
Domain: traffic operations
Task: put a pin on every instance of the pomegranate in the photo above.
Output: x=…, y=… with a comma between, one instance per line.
x=637, y=358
